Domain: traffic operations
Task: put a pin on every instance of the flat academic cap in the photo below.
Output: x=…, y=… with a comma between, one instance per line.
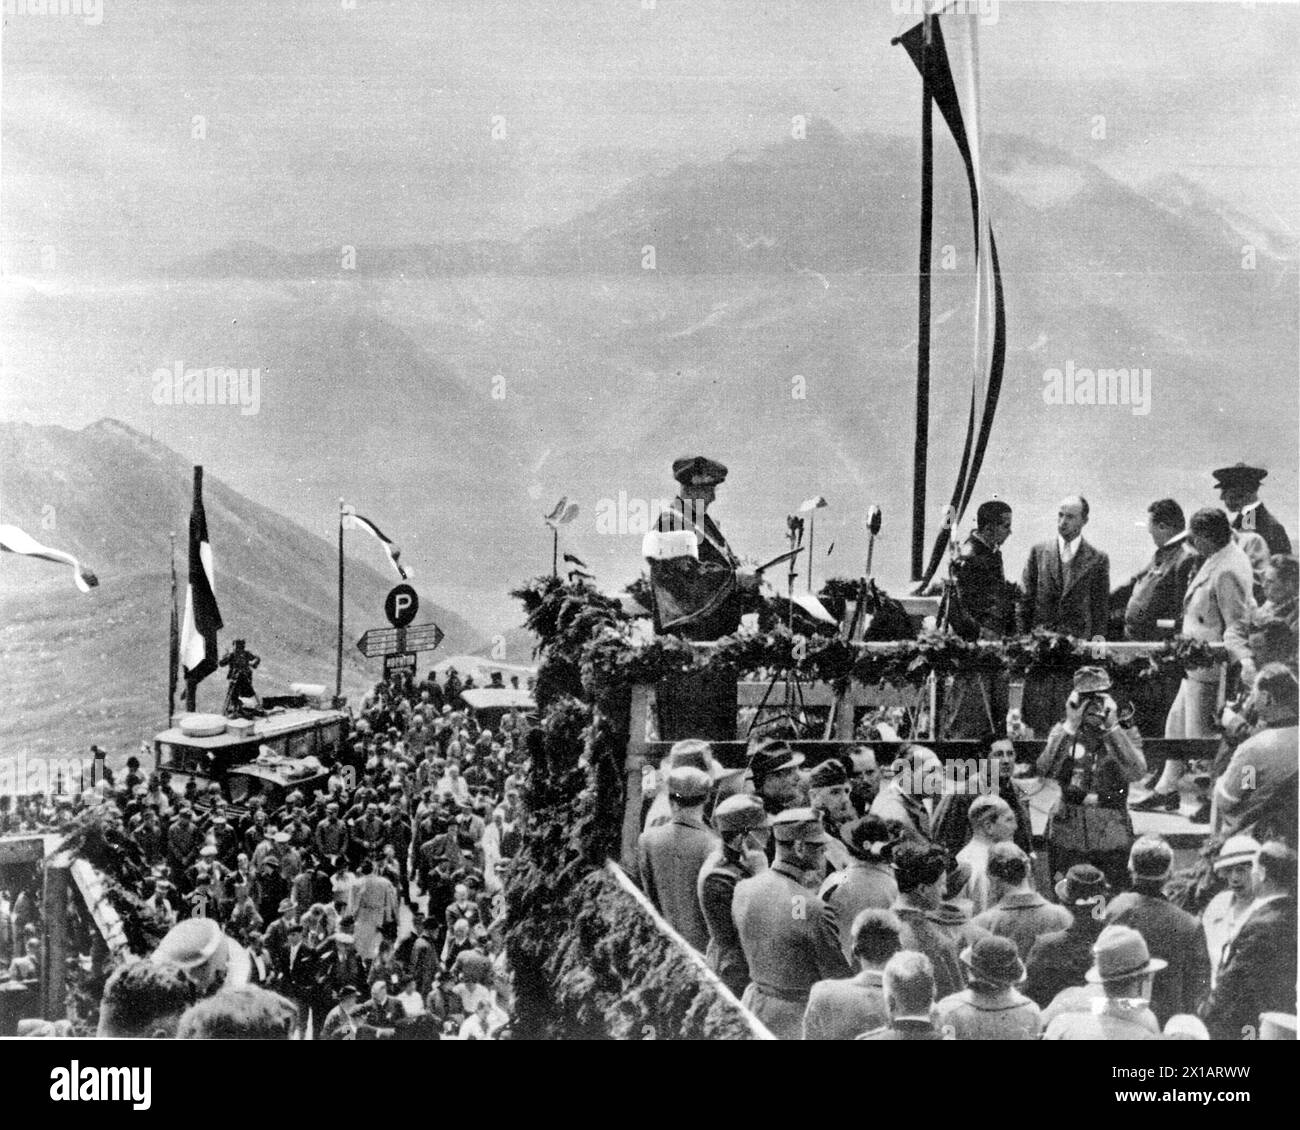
x=1239, y=475
x=698, y=469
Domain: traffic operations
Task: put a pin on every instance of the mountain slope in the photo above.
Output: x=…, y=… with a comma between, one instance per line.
x=92, y=668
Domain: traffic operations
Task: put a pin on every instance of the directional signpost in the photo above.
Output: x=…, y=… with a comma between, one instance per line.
x=399, y=644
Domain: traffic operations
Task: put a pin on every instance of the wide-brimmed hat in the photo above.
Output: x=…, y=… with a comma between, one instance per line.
x=698, y=469
x=773, y=756
x=1119, y=953
x=1236, y=850
x=1082, y=883
x=995, y=961
x=201, y=948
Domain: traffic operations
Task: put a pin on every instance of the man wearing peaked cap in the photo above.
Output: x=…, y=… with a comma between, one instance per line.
x=693, y=752
x=828, y=793
x=698, y=586
x=1238, y=488
x=1124, y=969
x=670, y=856
x=743, y=824
x=790, y=938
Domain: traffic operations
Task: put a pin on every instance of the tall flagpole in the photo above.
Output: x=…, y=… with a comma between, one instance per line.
x=338, y=661
x=173, y=644
x=923, y=314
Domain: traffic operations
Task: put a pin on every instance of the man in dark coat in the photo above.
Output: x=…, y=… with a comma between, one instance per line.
x=697, y=596
x=1153, y=596
x=742, y=823
x=1065, y=588
x=922, y=873
x=1171, y=934
x=980, y=606
x=1257, y=973
x=1238, y=488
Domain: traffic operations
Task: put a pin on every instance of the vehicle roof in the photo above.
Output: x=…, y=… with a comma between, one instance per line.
x=485, y=698
x=272, y=726
x=274, y=773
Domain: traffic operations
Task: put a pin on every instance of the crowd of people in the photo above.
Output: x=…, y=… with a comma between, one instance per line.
x=374, y=908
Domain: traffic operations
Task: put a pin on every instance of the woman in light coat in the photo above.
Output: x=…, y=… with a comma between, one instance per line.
x=1218, y=596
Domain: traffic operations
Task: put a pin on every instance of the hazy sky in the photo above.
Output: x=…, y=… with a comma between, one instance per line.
x=327, y=125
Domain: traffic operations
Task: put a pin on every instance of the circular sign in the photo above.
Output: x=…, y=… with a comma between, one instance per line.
x=401, y=605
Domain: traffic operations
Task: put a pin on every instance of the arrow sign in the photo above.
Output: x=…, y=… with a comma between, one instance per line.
x=390, y=641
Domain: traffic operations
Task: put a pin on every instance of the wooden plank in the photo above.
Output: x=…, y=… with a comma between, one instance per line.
x=640, y=723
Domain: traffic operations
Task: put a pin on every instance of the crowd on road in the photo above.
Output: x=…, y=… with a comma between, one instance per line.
x=374, y=908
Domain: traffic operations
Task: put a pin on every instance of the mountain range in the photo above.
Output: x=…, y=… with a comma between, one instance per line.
x=455, y=392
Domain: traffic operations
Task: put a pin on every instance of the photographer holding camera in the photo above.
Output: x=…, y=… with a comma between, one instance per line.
x=1093, y=755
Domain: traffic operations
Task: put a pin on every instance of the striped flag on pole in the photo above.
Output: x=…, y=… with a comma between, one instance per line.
x=202, y=619
x=13, y=540
x=354, y=521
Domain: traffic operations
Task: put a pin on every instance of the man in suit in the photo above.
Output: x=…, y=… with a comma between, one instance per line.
x=1238, y=488
x=1170, y=933
x=296, y=976
x=670, y=856
x=1020, y=913
x=1258, y=970
x=1065, y=588
x=1154, y=597
x=981, y=607
x=908, y=984
x=845, y=1009
x=789, y=936
x=1059, y=960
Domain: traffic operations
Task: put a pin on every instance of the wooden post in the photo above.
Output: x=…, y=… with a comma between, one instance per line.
x=640, y=713
x=54, y=959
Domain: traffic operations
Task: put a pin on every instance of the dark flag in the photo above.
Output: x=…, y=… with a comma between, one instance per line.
x=202, y=616
x=174, y=638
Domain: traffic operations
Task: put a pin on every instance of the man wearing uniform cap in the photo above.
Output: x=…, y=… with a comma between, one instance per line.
x=670, y=856
x=828, y=794
x=743, y=825
x=1238, y=488
x=697, y=596
x=690, y=751
x=789, y=936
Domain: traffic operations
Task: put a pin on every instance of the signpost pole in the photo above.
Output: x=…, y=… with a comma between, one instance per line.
x=338, y=663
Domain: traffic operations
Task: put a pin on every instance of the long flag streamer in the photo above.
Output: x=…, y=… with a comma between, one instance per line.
x=202, y=620
x=14, y=540
x=959, y=105
x=354, y=521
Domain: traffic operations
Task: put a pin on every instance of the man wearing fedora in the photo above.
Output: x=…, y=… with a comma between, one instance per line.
x=844, y=1008
x=789, y=936
x=742, y=824
x=698, y=595
x=867, y=882
x=1093, y=755
x=1124, y=970
x=1238, y=488
x=1171, y=934
x=990, y=1007
x=1059, y=959
x=778, y=781
x=670, y=856
x=1258, y=971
